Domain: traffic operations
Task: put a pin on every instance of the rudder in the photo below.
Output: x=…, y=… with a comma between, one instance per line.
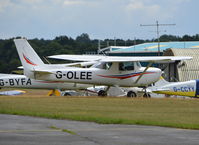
x=28, y=56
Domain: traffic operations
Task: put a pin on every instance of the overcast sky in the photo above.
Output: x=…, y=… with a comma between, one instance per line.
x=101, y=19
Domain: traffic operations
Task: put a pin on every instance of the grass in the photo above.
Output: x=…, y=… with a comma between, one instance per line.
x=69, y=131
x=178, y=113
x=63, y=130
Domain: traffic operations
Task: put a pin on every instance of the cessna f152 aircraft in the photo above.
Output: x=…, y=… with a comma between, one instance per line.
x=109, y=71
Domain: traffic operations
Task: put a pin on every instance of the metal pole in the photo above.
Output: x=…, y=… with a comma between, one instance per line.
x=99, y=47
x=158, y=32
x=158, y=37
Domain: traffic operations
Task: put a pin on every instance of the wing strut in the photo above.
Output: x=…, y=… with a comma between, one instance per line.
x=143, y=72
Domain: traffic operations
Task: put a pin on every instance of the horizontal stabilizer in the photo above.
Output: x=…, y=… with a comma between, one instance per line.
x=42, y=72
x=157, y=90
x=20, y=67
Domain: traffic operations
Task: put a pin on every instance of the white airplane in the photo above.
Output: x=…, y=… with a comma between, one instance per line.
x=21, y=81
x=109, y=71
x=187, y=88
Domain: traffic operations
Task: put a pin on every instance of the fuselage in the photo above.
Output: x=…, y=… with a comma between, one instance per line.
x=188, y=88
x=104, y=75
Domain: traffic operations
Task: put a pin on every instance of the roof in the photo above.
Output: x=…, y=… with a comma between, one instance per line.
x=187, y=69
x=152, y=47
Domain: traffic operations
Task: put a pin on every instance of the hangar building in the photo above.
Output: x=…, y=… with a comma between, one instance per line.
x=178, y=71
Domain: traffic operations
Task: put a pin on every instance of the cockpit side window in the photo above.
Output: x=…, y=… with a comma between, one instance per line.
x=126, y=66
x=103, y=65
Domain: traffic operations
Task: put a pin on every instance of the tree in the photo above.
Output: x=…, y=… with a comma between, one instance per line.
x=165, y=38
x=186, y=38
x=9, y=59
x=83, y=38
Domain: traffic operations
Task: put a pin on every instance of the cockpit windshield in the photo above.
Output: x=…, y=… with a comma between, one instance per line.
x=138, y=64
x=126, y=66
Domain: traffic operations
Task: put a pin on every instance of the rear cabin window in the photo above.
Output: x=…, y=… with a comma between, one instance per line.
x=126, y=66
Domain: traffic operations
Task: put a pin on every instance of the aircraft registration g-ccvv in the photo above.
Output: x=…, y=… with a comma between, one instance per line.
x=187, y=88
x=108, y=71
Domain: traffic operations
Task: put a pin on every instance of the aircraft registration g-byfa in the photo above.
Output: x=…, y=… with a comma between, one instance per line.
x=109, y=71
x=187, y=88
x=21, y=81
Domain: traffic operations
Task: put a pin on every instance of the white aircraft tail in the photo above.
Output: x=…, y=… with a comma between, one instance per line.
x=28, y=56
x=158, y=85
x=161, y=82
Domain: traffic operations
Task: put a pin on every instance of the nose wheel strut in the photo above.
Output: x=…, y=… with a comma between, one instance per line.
x=146, y=95
x=103, y=92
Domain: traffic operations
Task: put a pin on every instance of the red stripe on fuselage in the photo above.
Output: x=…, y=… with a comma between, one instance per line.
x=50, y=82
x=125, y=76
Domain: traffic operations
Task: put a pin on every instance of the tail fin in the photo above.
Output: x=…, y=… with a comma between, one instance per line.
x=161, y=82
x=28, y=56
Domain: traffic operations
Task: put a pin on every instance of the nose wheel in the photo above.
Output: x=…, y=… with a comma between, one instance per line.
x=103, y=92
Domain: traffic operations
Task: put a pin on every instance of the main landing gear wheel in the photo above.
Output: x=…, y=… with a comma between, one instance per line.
x=131, y=94
x=67, y=94
x=102, y=93
x=146, y=95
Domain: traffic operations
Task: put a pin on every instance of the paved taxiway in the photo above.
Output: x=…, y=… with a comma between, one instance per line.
x=18, y=130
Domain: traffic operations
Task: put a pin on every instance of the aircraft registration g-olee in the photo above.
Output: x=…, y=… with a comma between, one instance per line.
x=109, y=71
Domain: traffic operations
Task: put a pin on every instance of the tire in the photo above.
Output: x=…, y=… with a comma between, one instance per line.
x=67, y=94
x=131, y=94
x=102, y=93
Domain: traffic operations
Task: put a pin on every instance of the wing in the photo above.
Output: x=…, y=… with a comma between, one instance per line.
x=160, y=59
x=78, y=57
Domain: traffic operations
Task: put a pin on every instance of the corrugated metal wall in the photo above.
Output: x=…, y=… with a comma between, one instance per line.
x=188, y=69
